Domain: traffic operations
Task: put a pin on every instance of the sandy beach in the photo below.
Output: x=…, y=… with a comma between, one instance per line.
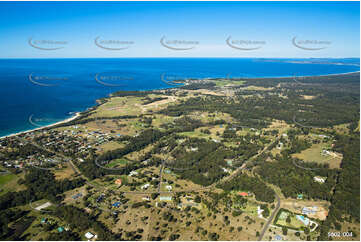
x=47, y=126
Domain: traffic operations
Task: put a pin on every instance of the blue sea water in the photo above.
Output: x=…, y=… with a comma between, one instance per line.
x=38, y=92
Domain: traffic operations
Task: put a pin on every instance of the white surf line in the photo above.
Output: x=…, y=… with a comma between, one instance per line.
x=77, y=114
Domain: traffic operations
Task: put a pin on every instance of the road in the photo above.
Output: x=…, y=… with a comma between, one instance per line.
x=67, y=159
x=160, y=176
x=227, y=178
x=275, y=211
x=304, y=126
x=238, y=170
x=77, y=171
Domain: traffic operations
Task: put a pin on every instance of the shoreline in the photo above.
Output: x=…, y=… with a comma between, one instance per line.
x=325, y=75
x=338, y=74
x=78, y=114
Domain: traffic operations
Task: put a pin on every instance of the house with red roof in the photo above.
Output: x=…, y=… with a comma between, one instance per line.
x=243, y=194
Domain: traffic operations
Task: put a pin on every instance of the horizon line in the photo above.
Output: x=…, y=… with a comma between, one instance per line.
x=7, y=58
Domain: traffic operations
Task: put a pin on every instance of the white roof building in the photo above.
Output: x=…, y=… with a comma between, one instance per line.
x=145, y=186
x=319, y=179
x=165, y=198
x=259, y=211
x=133, y=173
x=89, y=235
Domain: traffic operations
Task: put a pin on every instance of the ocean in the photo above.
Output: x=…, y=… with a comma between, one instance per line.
x=39, y=92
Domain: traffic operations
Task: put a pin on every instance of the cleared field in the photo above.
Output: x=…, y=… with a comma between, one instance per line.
x=214, y=130
x=112, y=145
x=107, y=126
x=64, y=173
x=279, y=125
x=130, y=105
x=314, y=154
x=256, y=88
x=8, y=182
x=177, y=183
x=118, y=106
x=296, y=206
x=6, y=178
x=207, y=117
x=160, y=119
x=222, y=83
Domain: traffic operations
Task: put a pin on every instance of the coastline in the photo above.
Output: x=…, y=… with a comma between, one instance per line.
x=283, y=77
x=338, y=74
x=78, y=114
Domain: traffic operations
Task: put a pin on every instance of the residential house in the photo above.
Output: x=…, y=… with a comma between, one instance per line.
x=319, y=179
x=165, y=198
x=133, y=173
x=89, y=235
x=145, y=186
x=118, y=181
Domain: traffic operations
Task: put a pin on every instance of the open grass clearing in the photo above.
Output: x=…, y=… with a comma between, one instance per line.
x=9, y=182
x=315, y=154
x=229, y=82
x=65, y=173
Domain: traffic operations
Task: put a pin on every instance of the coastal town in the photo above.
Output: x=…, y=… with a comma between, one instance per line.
x=185, y=163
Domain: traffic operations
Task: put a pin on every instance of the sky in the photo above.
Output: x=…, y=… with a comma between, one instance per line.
x=179, y=29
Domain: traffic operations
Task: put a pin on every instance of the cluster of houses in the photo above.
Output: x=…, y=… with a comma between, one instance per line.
x=60, y=229
x=70, y=141
x=36, y=159
x=33, y=160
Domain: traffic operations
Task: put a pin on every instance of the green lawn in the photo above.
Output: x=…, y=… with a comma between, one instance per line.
x=117, y=163
x=313, y=154
x=6, y=178
x=9, y=182
x=194, y=134
x=221, y=83
x=295, y=223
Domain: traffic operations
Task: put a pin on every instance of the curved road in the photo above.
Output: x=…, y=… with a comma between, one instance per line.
x=304, y=168
x=304, y=126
